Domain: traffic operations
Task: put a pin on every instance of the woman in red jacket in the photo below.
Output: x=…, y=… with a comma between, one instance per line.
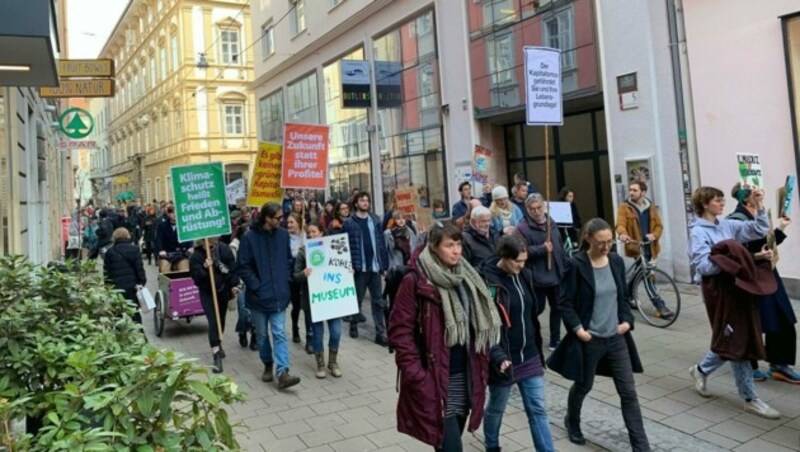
x=442, y=325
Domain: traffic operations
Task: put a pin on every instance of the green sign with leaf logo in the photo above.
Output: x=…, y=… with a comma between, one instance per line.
x=76, y=123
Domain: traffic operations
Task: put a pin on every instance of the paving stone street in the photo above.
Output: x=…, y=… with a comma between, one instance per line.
x=357, y=412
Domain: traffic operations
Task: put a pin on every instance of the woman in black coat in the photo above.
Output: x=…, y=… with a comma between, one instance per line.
x=124, y=269
x=223, y=263
x=598, y=340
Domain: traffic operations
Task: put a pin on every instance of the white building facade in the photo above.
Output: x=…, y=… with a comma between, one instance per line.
x=712, y=79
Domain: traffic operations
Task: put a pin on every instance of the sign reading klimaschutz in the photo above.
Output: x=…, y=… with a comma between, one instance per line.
x=331, y=287
x=543, y=86
x=201, y=208
x=355, y=84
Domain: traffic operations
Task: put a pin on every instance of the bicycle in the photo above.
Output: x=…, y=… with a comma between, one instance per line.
x=648, y=283
x=569, y=246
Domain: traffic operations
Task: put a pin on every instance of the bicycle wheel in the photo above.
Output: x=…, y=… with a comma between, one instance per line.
x=657, y=297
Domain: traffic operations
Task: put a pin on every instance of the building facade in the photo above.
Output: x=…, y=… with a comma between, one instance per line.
x=183, y=69
x=688, y=85
x=429, y=105
x=35, y=181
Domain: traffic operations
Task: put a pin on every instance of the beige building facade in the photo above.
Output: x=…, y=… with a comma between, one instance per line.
x=183, y=69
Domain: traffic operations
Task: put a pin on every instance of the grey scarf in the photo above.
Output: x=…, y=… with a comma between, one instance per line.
x=483, y=316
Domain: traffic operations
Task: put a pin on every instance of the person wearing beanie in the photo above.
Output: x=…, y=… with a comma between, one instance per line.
x=505, y=215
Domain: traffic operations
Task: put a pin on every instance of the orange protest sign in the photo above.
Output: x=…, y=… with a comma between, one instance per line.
x=406, y=200
x=305, y=156
x=265, y=184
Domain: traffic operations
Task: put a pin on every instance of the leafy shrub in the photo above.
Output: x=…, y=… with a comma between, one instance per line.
x=71, y=356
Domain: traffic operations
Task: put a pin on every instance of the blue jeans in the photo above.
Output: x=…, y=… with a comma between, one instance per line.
x=532, y=391
x=276, y=321
x=371, y=281
x=334, y=334
x=742, y=373
x=244, y=324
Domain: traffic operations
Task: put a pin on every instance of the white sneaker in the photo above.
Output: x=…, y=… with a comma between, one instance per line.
x=760, y=408
x=699, y=381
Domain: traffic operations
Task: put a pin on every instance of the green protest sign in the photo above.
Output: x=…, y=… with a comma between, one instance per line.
x=201, y=208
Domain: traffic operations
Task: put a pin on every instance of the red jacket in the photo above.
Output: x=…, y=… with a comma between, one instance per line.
x=416, y=331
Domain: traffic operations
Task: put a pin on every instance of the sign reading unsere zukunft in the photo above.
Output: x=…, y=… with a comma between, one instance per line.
x=201, y=208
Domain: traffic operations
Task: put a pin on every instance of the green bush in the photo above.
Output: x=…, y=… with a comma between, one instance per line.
x=71, y=356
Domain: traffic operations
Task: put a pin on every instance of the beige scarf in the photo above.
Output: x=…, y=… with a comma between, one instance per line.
x=483, y=316
x=505, y=215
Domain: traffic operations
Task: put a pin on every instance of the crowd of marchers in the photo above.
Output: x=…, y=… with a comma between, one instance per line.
x=459, y=302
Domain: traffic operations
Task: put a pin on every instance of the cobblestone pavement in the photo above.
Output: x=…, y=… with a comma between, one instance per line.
x=357, y=412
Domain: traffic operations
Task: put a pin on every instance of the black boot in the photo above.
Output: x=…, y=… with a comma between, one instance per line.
x=353, y=330
x=253, y=341
x=494, y=449
x=217, y=363
x=574, y=432
x=243, y=339
x=295, y=334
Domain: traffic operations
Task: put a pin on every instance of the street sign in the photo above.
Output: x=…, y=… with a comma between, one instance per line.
x=82, y=144
x=80, y=88
x=201, y=207
x=76, y=123
x=86, y=68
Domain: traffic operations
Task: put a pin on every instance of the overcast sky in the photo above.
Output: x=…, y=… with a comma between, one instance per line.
x=89, y=22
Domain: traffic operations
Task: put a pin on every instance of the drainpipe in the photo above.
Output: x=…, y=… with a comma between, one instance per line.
x=683, y=104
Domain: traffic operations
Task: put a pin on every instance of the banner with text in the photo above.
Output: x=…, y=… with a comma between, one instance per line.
x=481, y=167
x=331, y=287
x=750, y=174
x=235, y=191
x=788, y=194
x=305, y=156
x=265, y=185
x=201, y=207
x=543, y=86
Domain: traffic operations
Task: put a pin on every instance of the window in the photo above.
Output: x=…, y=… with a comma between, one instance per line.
x=157, y=194
x=268, y=41
x=303, y=103
x=176, y=56
x=498, y=12
x=168, y=187
x=558, y=33
x=271, y=114
x=297, y=17
x=501, y=66
x=153, y=72
x=229, y=45
x=162, y=62
x=234, y=120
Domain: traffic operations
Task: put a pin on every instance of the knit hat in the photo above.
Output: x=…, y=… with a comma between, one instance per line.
x=499, y=192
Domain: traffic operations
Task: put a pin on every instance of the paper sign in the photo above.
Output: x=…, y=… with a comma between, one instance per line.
x=560, y=212
x=265, y=185
x=788, y=195
x=201, y=208
x=481, y=166
x=750, y=174
x=543, y=86
x=331, y=287
x=235, y=190
x=406, y=200
x=305, y=157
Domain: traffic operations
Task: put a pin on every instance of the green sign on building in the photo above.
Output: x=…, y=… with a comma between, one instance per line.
x=201, y=208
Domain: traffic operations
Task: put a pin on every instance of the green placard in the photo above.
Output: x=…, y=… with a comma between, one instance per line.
x=201, y=208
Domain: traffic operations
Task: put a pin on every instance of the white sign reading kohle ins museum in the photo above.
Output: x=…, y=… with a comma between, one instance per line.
x=331, y=287
x=543, y=86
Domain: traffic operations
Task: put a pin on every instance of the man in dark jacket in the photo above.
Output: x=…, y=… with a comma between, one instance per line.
x=479, y=239
x=265, y=266
x=462, y=207
x=370, y=261
x=547, y=260
x=171, y=253
x=104, y=230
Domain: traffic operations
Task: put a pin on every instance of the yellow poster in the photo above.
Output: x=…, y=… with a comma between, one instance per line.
x=265, y=185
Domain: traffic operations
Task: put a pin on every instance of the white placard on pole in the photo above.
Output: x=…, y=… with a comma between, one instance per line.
x=561, y=212
x=544, y=106
x=331, y=287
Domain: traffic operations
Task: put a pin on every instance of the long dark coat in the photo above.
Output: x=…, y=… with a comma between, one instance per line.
x=123, y=267
x=576, y=305
x=416, y=331
x=730, y=298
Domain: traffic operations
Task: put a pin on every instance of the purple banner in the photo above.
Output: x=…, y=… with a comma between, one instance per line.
x=184, y=298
